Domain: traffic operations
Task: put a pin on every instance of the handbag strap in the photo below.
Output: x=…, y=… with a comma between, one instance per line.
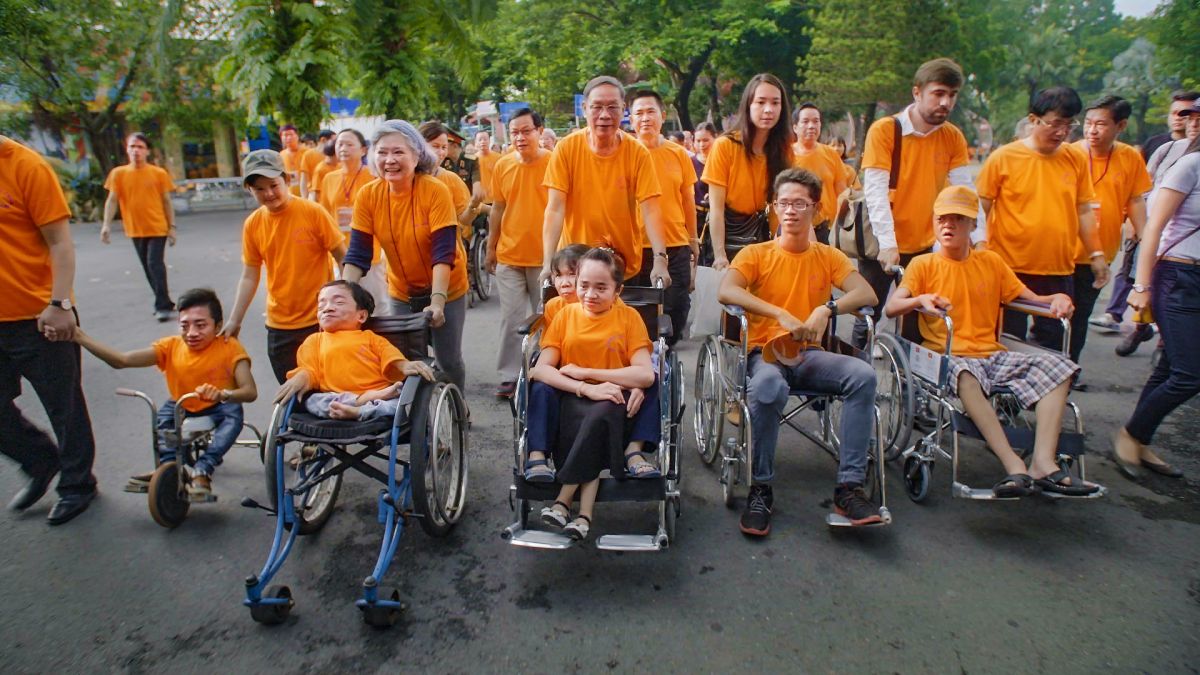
x=894, y=175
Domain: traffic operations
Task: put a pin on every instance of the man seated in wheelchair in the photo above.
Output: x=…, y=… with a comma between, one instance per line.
x=354, y=374
x=785, y=286
x=970, y=286
x=563, y=267
x=196, y=361
x=593, y=404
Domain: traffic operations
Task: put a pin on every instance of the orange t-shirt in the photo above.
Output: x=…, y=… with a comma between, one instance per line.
x=316, y=182
x=338, y=191
x=674, y=169
x=404, y=226
x=519, y=186
x=553, y=305
x=1034, y=220
x=744, y=180
x=825, y=163
x=797, y=282
x=294, y=245
x=1116, y=179
x=925, y=162
x=185, y=369
x=608, y=341
x=354, y=361
x=975, y=287
x=487, y=168
x=140, y=195
x=460, y=195
x=30, y=198
x=603, y=194
x=312, y=158
x=293, y=162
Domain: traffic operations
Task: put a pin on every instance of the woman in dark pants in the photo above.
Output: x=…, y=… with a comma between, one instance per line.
x=1170, y=256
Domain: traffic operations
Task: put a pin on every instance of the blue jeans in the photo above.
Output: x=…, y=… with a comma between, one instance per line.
x=845, y=376
x=1175, y=299
x=228, y=418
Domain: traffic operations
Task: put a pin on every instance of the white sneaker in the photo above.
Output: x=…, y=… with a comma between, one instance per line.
x=1105, y=321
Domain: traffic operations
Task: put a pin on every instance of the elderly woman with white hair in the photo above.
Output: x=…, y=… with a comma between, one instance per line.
x=412, y=216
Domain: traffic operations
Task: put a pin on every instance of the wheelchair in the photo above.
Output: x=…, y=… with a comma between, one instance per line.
x=430, y=485
x=921, y=387
x=167, y=492
x=662, y=491
x=477, y=272
x=721, y=423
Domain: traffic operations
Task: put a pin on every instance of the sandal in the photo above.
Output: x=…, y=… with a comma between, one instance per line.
x=1013, y=486
x=538, y=471
x=578, y=528
x=1054, y=483
x=555, y=518
x=640, y=468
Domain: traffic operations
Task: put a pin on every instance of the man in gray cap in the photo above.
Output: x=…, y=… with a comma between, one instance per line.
x=294, y=239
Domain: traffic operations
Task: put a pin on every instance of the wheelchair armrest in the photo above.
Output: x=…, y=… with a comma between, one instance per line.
x=734, y=310
x=1033, y=309
x=408, y=392
x=530, y=325
x=665, y=326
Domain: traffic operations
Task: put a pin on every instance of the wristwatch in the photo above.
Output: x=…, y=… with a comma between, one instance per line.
x=1096, y=254
x=1139, y=288
x=62, y=304
x=832, y=306
x=661, y=254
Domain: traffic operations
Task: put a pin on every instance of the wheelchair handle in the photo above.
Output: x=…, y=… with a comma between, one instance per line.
x=1033, y=308
x=895, y=270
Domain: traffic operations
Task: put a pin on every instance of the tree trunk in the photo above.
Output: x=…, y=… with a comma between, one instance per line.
x=687, y=84
x=860, y=134
x=714, y=100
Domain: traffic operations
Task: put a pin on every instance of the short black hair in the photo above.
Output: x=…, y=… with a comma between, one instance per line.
x=801, y=177
x=201, y=297
x=648, y=93
x=308, y=138
x=805, y=106
x=325, y=133
x=1116, y=106
x=568, y=257
x=1187, y=96
x=676, y=136
x=141, y=137
x=288, y=127
x=1062, y=100
x=538, y=122
x=362, y=298
x=706, y=126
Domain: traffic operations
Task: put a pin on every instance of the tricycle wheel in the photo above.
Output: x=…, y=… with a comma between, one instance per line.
x=168, y=500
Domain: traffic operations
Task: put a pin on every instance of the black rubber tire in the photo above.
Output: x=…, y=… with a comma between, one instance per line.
x=383, y=617
x=436, y=521
x=482, y=280
x=917, y=477
x=274, y=614
x=168, y=507
x=896, y=402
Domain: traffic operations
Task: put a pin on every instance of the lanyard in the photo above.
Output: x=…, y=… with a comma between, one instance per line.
x=346, y=189
x=1107, y=161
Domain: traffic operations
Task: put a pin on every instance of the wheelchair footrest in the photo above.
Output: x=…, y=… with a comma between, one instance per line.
x=542, y=539
x=1103, y=491
x=836, y=520
x=137, y=487
x=964, y=491
x=629, y=542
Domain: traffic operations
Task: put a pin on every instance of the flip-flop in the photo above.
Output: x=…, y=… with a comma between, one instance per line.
x=1054, y=483
x=538, y=471
x=1014, y=485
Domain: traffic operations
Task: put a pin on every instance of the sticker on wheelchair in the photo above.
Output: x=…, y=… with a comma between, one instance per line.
x=925, y=363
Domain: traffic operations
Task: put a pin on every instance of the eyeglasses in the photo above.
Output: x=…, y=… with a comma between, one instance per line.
x=610, y=109
x=789, y=206
x=531, y=131
x=1059, y=125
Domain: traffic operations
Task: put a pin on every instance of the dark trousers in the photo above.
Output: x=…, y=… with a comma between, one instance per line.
x=1046, y=332
x=880, y=282
x=1175, y=299
x=53, y=368
x=1123, y=282
x=677, y=300
x=543, y=420
x=281, y=348
x=1085, y=302
x=150, y=252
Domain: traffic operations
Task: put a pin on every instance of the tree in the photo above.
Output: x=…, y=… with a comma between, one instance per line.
x=1176, y=31
x=283, y=56
x=1135, y=77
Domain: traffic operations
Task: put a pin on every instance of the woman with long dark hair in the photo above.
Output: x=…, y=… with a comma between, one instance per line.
x=1170, y=260
x=741, y=170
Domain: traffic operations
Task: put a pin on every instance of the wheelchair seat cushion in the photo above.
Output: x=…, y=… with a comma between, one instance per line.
x=312, y=426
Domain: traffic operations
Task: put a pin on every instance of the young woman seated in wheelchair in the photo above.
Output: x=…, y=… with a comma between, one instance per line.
x=970, y=286
x=356, y=374
x=777, y=282
x=593, y=403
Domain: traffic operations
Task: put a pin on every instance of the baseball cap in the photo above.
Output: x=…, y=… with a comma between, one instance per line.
x=1195, y=107
x=957, y=199
x=266, y=163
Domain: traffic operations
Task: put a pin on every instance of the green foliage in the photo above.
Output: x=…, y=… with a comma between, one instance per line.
x=1176, y=31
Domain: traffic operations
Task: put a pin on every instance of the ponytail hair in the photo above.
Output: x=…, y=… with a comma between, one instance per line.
x=604, y=253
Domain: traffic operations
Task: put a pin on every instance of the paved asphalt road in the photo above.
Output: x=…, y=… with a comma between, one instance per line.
x=1110, y=585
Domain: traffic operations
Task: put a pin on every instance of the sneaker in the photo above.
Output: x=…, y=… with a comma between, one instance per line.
x=506, y=389
x=1141, y=332
x=1106, y=322
x=201, y=485
x=850, y=501
x=756, y=519
x=163, y=315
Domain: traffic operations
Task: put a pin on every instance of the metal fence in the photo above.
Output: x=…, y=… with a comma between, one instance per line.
x=211, y=194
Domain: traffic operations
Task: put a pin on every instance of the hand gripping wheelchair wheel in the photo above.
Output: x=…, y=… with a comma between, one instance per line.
x=168, y=504
x=273, y=613
x=383, y=616
x=438, y=457
x=916, y=478
x=315, y=505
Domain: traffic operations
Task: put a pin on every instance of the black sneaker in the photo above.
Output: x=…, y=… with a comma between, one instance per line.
x=850, y=501
x=756, y=519
x=1142, y=332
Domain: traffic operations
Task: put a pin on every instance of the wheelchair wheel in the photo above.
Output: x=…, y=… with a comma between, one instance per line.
x=708, y=419
x=480, y=276
x=438, y=457
x=737, y=451
x=917, y=475
x=315, y=505
x=168, y=505
x=383, y=617
x=275, y=613
x=670, y=511
x=676, y=382
x=894, y=396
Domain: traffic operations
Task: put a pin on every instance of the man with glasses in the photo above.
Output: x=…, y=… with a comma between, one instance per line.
x=787, y=321
x=599, y=180
x=1037, y=193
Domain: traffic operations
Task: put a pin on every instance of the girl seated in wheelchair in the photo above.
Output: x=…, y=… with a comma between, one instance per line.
x=970, y=286
x=356, y=374
x=593, y=404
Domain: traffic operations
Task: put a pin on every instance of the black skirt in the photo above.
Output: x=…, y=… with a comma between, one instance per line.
x=590, y=439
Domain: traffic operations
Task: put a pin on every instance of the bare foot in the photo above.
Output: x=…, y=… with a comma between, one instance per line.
x=341, y=411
